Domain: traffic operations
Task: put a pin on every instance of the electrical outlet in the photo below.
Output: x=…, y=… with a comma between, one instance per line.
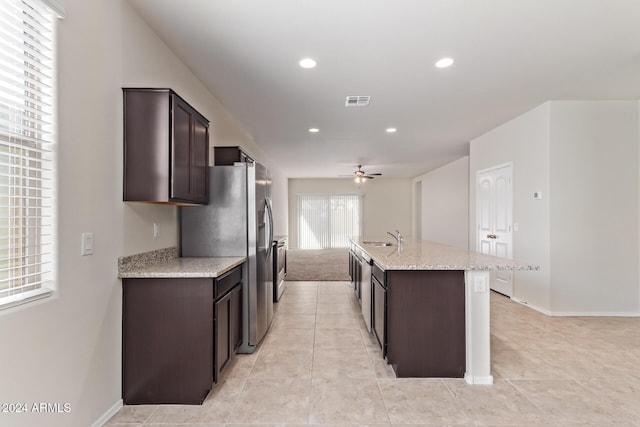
x=156, y=230
x=480, y=285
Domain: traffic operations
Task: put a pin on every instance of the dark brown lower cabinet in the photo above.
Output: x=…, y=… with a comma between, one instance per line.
x=379, y=303
x=425, y=323
x=228, y=328
x=179, y=334
x=167, y=340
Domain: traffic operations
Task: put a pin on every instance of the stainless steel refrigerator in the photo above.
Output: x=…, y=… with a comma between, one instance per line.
x=238, y=221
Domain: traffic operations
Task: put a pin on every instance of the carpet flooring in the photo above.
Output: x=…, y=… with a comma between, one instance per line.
x=317, y=264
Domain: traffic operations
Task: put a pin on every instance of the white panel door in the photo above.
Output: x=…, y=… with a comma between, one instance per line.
x=495, y=217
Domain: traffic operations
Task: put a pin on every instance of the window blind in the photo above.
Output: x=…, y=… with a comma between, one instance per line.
x=27, y=150
x=327, y=221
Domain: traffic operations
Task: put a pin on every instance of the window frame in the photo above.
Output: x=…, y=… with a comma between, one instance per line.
x=28, y=145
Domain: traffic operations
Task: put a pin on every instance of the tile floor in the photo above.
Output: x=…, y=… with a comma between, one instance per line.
x=318, y=365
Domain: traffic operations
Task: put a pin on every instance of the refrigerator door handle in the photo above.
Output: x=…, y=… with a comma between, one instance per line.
x=269, y=242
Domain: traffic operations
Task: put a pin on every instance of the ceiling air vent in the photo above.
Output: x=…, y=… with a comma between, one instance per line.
x=357, y=101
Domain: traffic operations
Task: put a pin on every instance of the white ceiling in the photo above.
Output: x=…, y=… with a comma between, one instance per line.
x=510, y=56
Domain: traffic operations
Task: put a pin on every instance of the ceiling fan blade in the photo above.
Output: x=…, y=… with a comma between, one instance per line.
x=375, y=174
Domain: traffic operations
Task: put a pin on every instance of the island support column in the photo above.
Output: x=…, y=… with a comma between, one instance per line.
x=478, y=329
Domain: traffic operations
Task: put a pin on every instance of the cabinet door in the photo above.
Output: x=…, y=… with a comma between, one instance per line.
x=223, y=352
x=379, y=312
x=189, y=154
x=181, y=150
x=167, y=340
x=199, y=172
x=236, y=318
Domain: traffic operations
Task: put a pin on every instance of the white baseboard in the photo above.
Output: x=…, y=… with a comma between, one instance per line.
x=531, y=306
x=578, y=313
x=107, y=415
x=478, y=380
x=597, y=313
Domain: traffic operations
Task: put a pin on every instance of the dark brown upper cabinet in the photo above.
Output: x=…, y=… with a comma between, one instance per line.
x=227, y=156
x=166, y=149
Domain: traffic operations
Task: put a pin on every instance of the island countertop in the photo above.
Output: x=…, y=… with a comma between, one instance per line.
x=166, y=264
x=426, y=255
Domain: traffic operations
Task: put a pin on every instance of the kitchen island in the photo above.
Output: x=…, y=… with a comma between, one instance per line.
x=430, y=307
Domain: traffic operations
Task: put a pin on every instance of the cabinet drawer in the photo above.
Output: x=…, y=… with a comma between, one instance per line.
x=378, y=273
x=227, y=281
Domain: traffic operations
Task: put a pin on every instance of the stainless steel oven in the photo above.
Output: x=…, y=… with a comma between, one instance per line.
x=279, y=266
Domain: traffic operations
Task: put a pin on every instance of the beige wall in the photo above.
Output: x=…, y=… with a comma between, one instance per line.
x=67, y=348
x=444, y=204
x=387, y=203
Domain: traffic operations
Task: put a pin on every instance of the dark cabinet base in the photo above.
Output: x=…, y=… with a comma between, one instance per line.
x=167, y=344
x=178, y=336
x=426, y=323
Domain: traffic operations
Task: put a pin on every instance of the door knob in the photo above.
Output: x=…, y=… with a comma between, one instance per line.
x=492, y=236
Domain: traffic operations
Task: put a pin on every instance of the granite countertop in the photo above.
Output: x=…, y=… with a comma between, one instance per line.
x=165, y=263
x=426, y=255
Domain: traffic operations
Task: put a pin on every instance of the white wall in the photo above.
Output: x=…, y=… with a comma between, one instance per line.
x=67, y=349
x=594, y=207
x=444, y=202
x=525, y=142
x=584, y=158
x=387, y=203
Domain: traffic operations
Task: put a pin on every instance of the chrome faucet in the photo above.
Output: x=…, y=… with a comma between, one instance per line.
x=397, y=236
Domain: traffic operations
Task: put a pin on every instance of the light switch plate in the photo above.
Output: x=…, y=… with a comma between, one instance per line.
x=86, y=247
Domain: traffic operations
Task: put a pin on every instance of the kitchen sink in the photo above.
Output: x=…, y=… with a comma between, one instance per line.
x=378, y=243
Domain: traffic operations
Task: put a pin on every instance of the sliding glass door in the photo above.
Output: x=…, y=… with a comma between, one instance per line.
x=328, y=220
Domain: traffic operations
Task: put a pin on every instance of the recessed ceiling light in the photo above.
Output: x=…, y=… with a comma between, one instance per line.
x=391, y=130
x=307, y=63
x=444, y=63
x=314, y=130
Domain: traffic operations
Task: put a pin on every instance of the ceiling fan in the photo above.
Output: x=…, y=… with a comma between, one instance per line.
x=362, y=176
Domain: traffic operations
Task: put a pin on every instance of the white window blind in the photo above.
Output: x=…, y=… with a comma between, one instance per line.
x=27, y=150
x=327, y=221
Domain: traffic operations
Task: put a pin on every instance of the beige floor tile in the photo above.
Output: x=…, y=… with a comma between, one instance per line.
x=497, y=404
x=332, y=298
x=241, y=365
x=278, y=400
x=283, y=363
x=336, y=321
x=574, y=364
x=297, y=339
x=346, y=401
x=297, y=308
x=421, y=400
x=296, y=298
x=510, y=364
x=341, y=363
x=338, y=339
x=568, y=401
x=215, y=409
x=132, y=414
x=381, y=368
x=294, y=321
x=335, y=308
x=621, y=395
